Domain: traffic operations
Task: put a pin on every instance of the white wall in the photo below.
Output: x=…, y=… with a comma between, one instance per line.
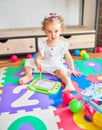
x=89, y=13
x=30, y=13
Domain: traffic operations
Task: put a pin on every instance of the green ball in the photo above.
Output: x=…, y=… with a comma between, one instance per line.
x=85, y=56
x=23, y=61
x=75, y=106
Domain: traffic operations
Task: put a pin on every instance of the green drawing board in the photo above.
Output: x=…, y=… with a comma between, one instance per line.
x=44, y=86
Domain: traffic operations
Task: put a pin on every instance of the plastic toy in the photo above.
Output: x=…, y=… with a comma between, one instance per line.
x=93, y=92
x=97, y=119
x=99, y=49
x=77, y=52
x=82, y=52
x=14, y=58
x=75, y=106
x=44, y=86
x=88, y=110
x=85, y=56
x=35, y=54
x=29, y=55
x=23, y=61
x=67, y=97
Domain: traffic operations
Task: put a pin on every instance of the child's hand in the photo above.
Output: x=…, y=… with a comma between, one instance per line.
x=75, y=73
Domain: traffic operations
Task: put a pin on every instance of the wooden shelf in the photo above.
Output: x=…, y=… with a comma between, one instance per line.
x=25, y=40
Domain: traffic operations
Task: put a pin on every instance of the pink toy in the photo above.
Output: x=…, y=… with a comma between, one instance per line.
x=29, y=55
x=67, y=97
x=89, y=110
x=95, y=101
x=14, y=58
x=99, y=49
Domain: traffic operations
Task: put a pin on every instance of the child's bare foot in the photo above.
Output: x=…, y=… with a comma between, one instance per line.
x=25, y=79
x=69, y=88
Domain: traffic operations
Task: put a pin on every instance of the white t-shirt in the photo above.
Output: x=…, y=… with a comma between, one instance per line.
x=52, y=57
x=53, y=54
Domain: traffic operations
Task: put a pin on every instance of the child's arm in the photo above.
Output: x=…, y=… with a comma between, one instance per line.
x=70, y=62
x=37, y=61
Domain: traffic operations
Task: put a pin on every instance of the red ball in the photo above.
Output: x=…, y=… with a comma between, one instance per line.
x=29, y=55
x=14, y=58
x=99, y=49
x=67, y=97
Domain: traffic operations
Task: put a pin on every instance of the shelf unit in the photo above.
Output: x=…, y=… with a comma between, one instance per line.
x=21, y=40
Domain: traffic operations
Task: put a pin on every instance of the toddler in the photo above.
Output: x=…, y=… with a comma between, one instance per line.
x=50, y=54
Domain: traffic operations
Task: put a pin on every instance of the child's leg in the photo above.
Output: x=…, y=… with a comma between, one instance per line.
x=66, y=79
x=28, y=76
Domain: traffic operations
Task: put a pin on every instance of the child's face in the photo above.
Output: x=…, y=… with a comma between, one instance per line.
x=53, y=30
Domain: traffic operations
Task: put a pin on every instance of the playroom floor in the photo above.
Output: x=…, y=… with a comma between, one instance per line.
x=24, y=109
x=5, y=62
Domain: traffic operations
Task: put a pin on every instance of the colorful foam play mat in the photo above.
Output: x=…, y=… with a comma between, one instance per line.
x=23, y=109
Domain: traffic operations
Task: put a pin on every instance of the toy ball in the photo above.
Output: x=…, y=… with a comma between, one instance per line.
x=67, y=97
x=23, y=61
x=97, y=119
x=75, y=106
x=14, y=58
x=77, y=52
x=82, y=52
x=29, y=55
x=88, y=110
x=99, y=49
x=34, y=55
x=85, y=56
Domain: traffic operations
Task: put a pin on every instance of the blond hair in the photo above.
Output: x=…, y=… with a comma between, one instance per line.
x=52, y=18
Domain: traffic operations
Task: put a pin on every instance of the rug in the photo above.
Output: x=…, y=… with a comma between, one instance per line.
x=22, y=109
